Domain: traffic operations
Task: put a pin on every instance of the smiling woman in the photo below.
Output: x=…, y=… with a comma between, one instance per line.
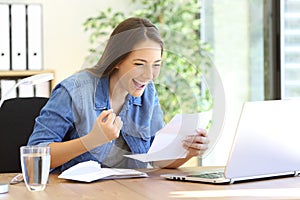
x=111, y=109
x=179, y=87
x=133, y=74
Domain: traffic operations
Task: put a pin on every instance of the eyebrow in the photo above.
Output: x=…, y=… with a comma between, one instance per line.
x=142, y=60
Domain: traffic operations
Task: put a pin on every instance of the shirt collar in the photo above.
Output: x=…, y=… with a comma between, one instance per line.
x=136, y=100
x=101, y=97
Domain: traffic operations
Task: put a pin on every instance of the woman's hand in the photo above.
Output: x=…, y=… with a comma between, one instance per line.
x=196, y=144
x=109, y=125
x=106, y=128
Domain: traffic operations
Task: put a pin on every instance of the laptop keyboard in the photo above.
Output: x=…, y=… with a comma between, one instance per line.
x=213, y=175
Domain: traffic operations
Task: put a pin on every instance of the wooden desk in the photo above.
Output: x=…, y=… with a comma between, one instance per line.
x=155, y=188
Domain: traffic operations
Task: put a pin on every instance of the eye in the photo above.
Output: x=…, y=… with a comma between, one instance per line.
x=139, y=64
x=156, y=65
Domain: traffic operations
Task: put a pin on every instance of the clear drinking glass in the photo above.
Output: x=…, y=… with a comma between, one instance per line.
x=35, y=163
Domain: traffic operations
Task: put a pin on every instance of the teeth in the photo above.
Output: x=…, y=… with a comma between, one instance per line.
x=140, y=83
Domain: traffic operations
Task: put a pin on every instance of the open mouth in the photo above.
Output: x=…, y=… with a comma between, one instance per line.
x=139, y=85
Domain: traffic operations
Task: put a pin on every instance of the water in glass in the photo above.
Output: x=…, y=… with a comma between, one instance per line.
x=35, y=162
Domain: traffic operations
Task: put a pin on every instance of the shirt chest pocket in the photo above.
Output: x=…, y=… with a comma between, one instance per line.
x=138, y=142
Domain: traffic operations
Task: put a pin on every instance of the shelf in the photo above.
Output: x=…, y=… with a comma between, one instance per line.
x=23, y=73
x=18, y=74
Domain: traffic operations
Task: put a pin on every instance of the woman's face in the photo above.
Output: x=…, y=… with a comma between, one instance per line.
x=139, y=68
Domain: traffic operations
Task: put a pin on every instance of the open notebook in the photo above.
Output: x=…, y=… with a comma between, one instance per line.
x=90, y=171
x=266, y=144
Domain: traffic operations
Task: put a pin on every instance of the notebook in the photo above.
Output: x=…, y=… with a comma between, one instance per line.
x=266, y=145
x=89, y=171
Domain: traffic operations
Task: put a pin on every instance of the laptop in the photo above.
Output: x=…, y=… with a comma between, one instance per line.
x=265, y=145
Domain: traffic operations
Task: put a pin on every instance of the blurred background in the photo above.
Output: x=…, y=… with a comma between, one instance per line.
x=254, y=44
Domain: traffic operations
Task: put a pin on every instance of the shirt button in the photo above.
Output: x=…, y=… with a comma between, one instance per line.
x=126, y=134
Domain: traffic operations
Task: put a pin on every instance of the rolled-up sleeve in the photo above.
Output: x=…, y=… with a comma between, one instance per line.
x=55, y=121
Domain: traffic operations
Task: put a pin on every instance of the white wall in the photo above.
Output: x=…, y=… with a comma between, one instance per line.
x=231, y=44
x=65, y=42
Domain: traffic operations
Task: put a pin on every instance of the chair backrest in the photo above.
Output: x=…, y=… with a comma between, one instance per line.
x=17, y=118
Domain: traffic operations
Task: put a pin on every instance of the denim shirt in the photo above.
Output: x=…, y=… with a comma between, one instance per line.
x=76, y=102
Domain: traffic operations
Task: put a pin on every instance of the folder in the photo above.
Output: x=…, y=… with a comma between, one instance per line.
x=18, y=36
x=4, y=37
x=34, y=27
x=42, y=89
x=6, y=88
x=26, y=90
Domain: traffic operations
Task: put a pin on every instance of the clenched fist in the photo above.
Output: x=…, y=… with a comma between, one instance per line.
x=106, y=128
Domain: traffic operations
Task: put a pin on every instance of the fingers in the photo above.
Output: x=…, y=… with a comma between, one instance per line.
x=110, y=124
x=114, y=120
x=195, y=149
x=196, y=139
x=199, y=137
x=196, y=144
x=105, y=129
x=104, y=114
x=202, y=132
x=110, y=118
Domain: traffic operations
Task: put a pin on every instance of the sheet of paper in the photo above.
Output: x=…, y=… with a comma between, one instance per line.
x=167, y=144
x=91, y=171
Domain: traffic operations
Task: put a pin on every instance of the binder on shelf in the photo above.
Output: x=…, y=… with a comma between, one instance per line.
x=34, y=28
x=42, y=89
x=26, y=90
x=18, y=36
x=4, y=37
x=6, y=86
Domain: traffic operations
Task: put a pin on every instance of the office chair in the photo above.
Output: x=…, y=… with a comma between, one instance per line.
x=17, y=118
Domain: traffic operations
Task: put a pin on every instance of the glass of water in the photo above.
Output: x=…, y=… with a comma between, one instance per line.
x=35, y=163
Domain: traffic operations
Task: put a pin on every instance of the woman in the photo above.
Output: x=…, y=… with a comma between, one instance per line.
x=111, y=109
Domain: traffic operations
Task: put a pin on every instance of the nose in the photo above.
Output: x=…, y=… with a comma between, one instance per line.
x=148, y=72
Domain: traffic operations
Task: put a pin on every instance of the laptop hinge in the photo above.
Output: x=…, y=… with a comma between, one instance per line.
x=231, y=181
x=296, y=173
